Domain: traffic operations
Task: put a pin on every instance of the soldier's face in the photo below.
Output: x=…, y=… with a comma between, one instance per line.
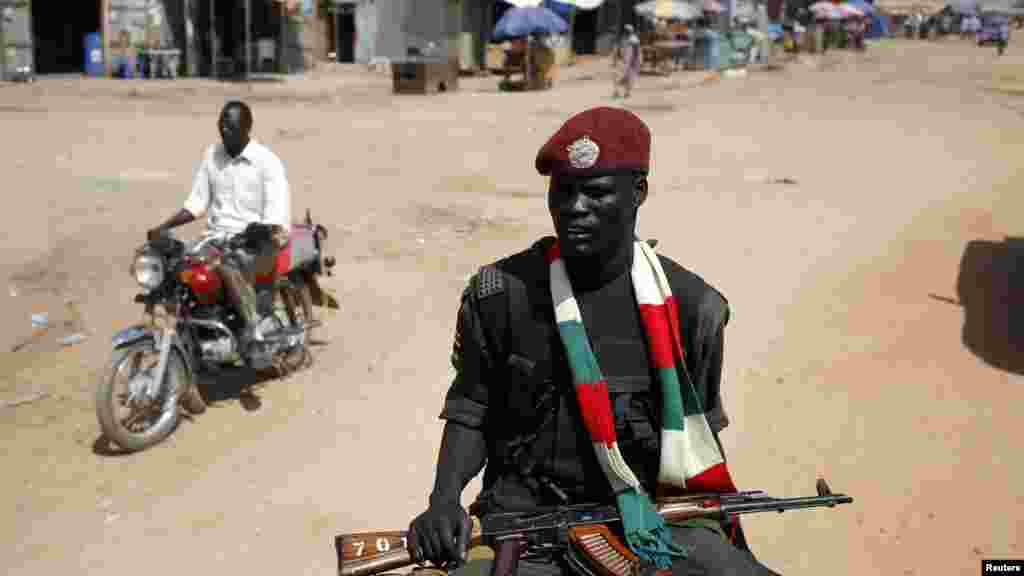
x=592, y=216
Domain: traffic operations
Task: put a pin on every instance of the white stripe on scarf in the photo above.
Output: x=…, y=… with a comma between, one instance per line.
x=692, y=448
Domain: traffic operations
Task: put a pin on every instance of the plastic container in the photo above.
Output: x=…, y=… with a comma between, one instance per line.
x=124, y=66
x=712, y=50
x=94, y=55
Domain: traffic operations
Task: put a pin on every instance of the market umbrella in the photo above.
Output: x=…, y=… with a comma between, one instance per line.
x=848, y=10
x=584, y=4
x=519, y=22
x=861, y=5
x=578, y=4
x=671, y=9
x=713, y=6
x=745, y=11
x=964, y=6
x=564, y=9
x=825, y=10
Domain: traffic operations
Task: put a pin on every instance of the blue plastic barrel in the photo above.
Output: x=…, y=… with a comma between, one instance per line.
x=94, y=54
x=712, y=50
x=123, y=66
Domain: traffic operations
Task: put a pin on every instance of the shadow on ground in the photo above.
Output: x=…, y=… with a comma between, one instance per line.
x=990, y=289
x=234, y=384
x=240, y=384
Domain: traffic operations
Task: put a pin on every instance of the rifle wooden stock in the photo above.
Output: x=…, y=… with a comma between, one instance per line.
x=368, y=553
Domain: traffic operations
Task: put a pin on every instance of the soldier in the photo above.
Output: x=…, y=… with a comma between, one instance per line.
x=588, y=370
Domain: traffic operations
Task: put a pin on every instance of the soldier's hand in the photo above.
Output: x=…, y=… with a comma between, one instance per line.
x=440, y=535
x=154, y=234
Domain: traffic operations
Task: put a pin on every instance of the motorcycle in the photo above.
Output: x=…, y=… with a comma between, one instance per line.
x=190, y=329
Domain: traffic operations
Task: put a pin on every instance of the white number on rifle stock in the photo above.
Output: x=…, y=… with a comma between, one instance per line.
x=382, y=544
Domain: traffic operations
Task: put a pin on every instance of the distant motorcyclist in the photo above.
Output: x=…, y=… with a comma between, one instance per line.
x=240, y=182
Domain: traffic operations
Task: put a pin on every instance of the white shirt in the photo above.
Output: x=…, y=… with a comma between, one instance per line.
x=235, y=192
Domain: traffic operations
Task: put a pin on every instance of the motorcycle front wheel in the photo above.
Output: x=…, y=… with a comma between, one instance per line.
x=128, y=421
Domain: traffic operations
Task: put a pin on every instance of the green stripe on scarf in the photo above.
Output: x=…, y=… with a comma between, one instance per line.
x=672, y=403
x=578, y=352
x=645, y=530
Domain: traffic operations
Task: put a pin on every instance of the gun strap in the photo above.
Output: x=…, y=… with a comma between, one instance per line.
x=506, y=557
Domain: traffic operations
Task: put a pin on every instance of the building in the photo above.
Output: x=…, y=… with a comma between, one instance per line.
x=359, y=31
x=212, y=36
x=15, y=37
x=352, y=28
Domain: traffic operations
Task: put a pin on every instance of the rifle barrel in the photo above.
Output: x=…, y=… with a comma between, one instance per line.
x=783, y=504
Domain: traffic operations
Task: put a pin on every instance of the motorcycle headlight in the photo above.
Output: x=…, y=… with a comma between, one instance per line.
x=148, y=270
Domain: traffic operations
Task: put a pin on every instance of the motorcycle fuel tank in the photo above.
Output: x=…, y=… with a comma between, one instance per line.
x=205, y=283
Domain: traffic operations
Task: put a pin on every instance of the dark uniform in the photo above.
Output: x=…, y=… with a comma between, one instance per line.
x=513, y=383
x=513, y=406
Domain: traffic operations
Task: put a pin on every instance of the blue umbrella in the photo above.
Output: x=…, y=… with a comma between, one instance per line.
x=520, y=22
x=862, y=6
x=559, y=8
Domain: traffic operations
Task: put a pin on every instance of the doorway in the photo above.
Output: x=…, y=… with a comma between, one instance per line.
x=59, y=36
x=346, y=26
x=331, y=25
x=228, y=37
x=584, y=32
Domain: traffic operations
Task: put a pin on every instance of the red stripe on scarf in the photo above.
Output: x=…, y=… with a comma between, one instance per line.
x=673, y=320
x=597, y=411
x=658, y=336
x=553, y=253
x=714, y=479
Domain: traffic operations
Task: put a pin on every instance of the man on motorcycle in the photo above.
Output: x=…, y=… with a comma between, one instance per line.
x=240, y=182
x=570, y=404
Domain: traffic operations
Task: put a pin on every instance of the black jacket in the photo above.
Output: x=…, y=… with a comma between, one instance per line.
x=513, y=382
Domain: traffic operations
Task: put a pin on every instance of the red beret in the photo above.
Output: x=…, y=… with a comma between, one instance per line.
x=598, y=141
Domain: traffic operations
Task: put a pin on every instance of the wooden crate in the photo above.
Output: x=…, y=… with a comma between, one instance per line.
x=425, y=77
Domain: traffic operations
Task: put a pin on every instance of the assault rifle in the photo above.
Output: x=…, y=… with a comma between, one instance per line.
x=535, y=533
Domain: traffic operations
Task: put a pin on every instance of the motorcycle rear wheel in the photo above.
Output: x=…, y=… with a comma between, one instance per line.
x=108, y=399
x=298, y=311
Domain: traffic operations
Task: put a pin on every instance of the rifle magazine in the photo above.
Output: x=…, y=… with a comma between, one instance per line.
x=600, y=552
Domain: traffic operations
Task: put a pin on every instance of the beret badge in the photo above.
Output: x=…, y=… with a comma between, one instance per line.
x=583, y=153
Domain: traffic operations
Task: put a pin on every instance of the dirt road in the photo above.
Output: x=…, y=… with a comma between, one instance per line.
x=872, y=340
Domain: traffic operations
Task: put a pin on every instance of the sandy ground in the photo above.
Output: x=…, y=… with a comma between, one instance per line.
x=876, y=335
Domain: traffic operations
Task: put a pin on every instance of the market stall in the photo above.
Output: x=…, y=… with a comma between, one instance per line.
x=670, y=45
x=531, y=54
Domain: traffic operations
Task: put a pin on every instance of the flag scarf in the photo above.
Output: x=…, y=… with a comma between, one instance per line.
x=690, y=457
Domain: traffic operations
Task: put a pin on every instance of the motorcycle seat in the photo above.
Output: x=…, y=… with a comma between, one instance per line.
x=300, y=250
